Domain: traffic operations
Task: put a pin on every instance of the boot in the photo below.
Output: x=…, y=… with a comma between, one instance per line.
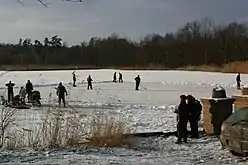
x=185, y=140
x=179, y=141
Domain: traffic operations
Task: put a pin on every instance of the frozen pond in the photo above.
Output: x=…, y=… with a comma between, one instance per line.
x=150, y=109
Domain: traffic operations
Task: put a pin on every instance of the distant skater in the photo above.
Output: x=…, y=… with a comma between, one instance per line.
x=137, y=80
x=89, y=80
x=238, y=80
x=61, y=91
x=10, y=86
x=114, y=77
x=29, y=89
x=74, y=79
x=120, y=78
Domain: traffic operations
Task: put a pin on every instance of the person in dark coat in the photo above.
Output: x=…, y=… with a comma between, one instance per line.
x=29, y=89
x=16, y=100
x=183, y=117
x=36, y=97
x=89, y=80
x=195, y=109
x=120, y=78
x=114, y=77
x=74, y=79
x=61, y=91
x=238, y=80
x=137, y=80
x=10, y=86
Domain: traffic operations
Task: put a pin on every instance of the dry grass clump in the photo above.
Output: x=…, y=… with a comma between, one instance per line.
x=107, y=132
x=63, y=129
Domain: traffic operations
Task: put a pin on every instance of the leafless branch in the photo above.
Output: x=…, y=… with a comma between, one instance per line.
x=45, y=4
x=19, y=1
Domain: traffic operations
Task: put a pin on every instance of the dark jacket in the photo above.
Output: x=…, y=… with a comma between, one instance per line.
x=137, y=79
x=10, y=86
x=238, y=78
x=29, y=87
x=61, y=91
x=195, y=110
x=183, y=112
x=74, y=77
x=89, y=79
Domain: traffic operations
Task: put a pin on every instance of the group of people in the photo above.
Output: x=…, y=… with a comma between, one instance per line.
x=120, y=78
x=61, y=90
x=21, y=97
x=89, y=80
x=137, y=80
x=189, y=110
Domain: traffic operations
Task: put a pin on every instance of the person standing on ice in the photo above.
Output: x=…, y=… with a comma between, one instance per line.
x=114, y=77
x=183, y=117
x=29, y=89
x=61, y=91
x=195, y=109
x=238, y=80
x=89, y=80
x=10, y=86
x=74, y=79
x=120, y=78
x=137, y=80
x=22, y=94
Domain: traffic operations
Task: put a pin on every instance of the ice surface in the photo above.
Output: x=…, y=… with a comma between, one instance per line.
x=150, y=109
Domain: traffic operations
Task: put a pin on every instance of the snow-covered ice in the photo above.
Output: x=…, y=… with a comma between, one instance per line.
x=150, y=109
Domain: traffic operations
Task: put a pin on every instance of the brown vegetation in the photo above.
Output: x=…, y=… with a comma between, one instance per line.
x=205, y=68
x=107, y=132
x=63, y=129
x=235, y=67
x=232, y=67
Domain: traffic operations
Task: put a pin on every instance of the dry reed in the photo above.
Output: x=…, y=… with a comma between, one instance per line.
x=107, y=132
x=232, y=67
x=61, y=129
x=235, y=67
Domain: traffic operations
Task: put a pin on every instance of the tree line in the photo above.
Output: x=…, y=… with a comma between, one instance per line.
x=196, y=43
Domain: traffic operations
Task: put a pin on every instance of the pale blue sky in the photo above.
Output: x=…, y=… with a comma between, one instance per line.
x=132, y=18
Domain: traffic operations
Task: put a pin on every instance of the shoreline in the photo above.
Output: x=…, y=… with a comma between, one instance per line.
x=54, y=68
x=227, y=68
